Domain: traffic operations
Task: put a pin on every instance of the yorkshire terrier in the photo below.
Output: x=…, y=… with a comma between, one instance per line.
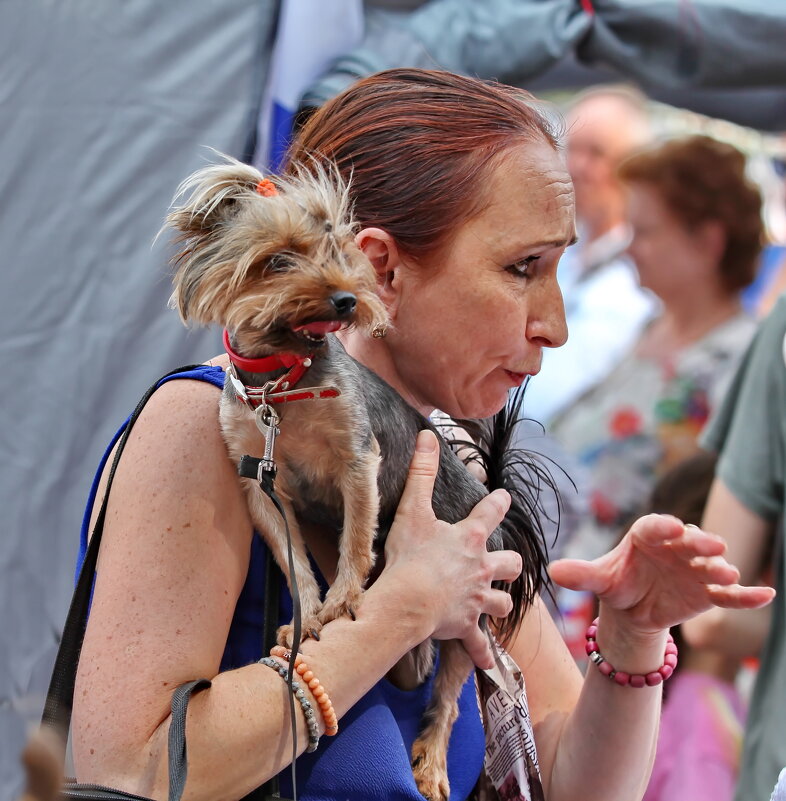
x=274, y=261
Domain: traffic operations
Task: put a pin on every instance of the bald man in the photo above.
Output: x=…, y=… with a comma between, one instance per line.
x=604, y=305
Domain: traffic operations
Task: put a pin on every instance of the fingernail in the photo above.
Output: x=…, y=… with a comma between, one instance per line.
x=426, y=442
x=504, y=498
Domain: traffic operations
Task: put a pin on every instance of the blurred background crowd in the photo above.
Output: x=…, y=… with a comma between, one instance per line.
x=674, y=117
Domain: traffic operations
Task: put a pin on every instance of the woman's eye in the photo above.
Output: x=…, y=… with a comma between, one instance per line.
x=522, y=267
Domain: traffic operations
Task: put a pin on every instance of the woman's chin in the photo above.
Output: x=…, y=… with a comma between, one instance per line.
x=483, y=407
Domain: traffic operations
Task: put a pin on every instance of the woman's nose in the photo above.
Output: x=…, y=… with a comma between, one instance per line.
x=548, y=327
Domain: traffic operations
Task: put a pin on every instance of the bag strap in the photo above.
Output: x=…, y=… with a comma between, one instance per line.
x=178, y=757
x=60, y=696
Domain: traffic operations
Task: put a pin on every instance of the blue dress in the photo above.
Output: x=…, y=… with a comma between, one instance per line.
x=369, y=757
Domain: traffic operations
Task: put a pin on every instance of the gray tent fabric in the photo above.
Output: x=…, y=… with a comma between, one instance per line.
x=104, y=108
x=668, y=43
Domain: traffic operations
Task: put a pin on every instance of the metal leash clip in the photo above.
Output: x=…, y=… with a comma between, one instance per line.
x=267, y=422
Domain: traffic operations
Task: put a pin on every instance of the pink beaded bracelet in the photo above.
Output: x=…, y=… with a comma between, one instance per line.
x=628, y=679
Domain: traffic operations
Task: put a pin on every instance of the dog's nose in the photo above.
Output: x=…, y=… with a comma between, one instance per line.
x=344, y=303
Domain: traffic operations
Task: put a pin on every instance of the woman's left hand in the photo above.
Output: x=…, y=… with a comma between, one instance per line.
x=661, y=574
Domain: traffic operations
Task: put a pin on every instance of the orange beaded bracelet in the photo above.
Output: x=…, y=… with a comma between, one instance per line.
x=317, y=690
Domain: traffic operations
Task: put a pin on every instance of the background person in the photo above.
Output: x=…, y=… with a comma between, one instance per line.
x=605, y=306
x=697, y=233
x=700, y=735
x=746, y=507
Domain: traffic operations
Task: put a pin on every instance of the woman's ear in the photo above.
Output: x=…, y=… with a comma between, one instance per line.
x=713, y=237
x=381, y=250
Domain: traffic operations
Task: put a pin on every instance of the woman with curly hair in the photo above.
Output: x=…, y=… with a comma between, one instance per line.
x=697, y=233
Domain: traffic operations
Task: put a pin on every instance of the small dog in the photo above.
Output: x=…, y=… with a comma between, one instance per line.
x=276, y=264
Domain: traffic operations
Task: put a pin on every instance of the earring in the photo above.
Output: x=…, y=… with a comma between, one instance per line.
x=379, y=331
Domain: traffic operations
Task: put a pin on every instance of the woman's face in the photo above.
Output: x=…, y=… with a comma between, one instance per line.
x=472, y=325
x=669, y=257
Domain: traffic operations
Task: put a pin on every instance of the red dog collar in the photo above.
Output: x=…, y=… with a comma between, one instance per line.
x=282, y=389
x=267, y=364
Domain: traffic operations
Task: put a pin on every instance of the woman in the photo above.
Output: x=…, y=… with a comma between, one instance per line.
x=465, y=208
x=697, y=233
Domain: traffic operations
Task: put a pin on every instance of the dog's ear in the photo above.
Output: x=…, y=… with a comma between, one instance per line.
x=210, y=196
x=317, y=187
x=203, y=205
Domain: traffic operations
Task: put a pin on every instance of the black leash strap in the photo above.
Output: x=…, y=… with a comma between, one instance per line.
x=178, y=756
x=259, y=469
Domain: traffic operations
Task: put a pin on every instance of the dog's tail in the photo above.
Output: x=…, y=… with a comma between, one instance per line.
x=527, y=477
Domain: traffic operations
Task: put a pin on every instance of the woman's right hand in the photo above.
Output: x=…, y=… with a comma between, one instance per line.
x=445, y=568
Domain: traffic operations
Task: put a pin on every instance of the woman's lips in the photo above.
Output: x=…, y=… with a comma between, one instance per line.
x=517, y=379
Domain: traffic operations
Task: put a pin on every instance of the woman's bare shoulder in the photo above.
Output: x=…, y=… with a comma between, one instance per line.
x=176, y=451
x=180, y=411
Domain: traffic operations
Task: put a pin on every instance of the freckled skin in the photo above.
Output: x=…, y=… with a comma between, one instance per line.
x=505, y=319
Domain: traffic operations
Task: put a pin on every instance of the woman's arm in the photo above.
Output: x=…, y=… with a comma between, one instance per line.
x=173, y=561
x=737, y=632
x=596, y=740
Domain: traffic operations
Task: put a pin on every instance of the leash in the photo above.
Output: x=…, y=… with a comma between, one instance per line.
x=263, y=470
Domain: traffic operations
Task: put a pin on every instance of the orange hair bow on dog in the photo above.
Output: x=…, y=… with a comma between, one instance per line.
x=267, y=188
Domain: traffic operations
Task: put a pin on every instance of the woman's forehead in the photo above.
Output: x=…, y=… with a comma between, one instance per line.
x=529, y=198
x=529, y=170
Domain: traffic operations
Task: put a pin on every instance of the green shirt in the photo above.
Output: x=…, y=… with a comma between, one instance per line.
x=749, y=432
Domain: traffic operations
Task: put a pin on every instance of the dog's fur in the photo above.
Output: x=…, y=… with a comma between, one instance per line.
x=262, y=266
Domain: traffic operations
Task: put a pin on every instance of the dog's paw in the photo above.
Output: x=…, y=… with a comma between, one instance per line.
x=430, y=776
x=334, y=608
x=309, y=629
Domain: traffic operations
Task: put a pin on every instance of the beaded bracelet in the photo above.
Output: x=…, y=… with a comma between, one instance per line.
x=317, y=690
x=628, y=679
x=305, y=704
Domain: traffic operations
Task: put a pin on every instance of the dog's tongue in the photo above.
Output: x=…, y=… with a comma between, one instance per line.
x=319, y=328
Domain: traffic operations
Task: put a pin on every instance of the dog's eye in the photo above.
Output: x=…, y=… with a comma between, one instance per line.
x=278, y=263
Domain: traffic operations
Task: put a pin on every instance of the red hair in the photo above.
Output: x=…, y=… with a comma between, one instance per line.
x=416, y=145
